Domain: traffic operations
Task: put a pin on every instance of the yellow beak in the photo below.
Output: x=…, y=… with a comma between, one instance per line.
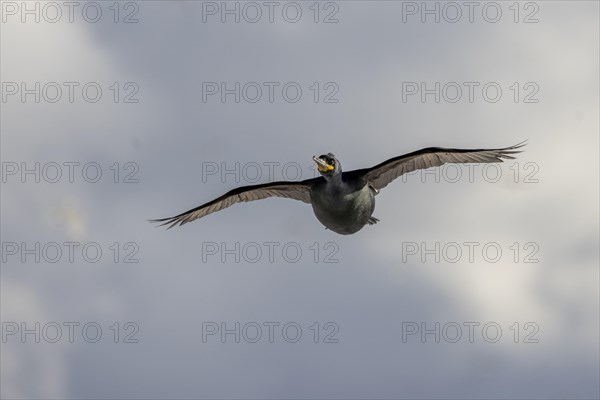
x=322, y=165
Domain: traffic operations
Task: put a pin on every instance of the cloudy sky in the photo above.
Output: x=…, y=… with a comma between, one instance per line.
x=476, y=283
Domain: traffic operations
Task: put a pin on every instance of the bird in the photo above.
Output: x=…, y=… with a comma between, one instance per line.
x=344, y=201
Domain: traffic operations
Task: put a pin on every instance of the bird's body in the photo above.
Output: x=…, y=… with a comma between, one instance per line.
x=344, y=201
x=343, y=205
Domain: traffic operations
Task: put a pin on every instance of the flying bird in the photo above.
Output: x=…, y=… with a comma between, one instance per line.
x=344, y=201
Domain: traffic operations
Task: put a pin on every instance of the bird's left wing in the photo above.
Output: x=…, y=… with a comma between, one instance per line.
x=382, y=174
x=290, y=190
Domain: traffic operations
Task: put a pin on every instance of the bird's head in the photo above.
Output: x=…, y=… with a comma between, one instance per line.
x=328, y=165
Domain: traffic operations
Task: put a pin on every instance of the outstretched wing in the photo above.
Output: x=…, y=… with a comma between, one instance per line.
x=289, y=190
x=382, y=174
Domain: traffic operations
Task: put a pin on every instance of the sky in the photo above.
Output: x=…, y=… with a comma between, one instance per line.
x=478, y=282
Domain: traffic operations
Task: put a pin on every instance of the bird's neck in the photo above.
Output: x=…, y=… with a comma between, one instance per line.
x=334, y=179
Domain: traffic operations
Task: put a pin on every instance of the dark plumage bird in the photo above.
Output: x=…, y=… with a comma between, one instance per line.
x=344, y=201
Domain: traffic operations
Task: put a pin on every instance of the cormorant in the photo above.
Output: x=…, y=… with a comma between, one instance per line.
x=344, y=201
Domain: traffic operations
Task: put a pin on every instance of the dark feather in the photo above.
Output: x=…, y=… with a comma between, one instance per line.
x=382, y=174
x=290, y=190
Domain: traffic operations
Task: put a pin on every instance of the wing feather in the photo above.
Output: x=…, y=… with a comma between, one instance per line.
x=289, y=190
x=382, y=174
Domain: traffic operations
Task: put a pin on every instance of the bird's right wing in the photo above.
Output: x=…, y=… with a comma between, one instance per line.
x=382, y=174
x=290, y=190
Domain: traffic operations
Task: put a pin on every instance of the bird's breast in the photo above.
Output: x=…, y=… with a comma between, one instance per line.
x=341, y=209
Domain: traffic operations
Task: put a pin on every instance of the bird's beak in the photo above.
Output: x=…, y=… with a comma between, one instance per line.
x=322, y=165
